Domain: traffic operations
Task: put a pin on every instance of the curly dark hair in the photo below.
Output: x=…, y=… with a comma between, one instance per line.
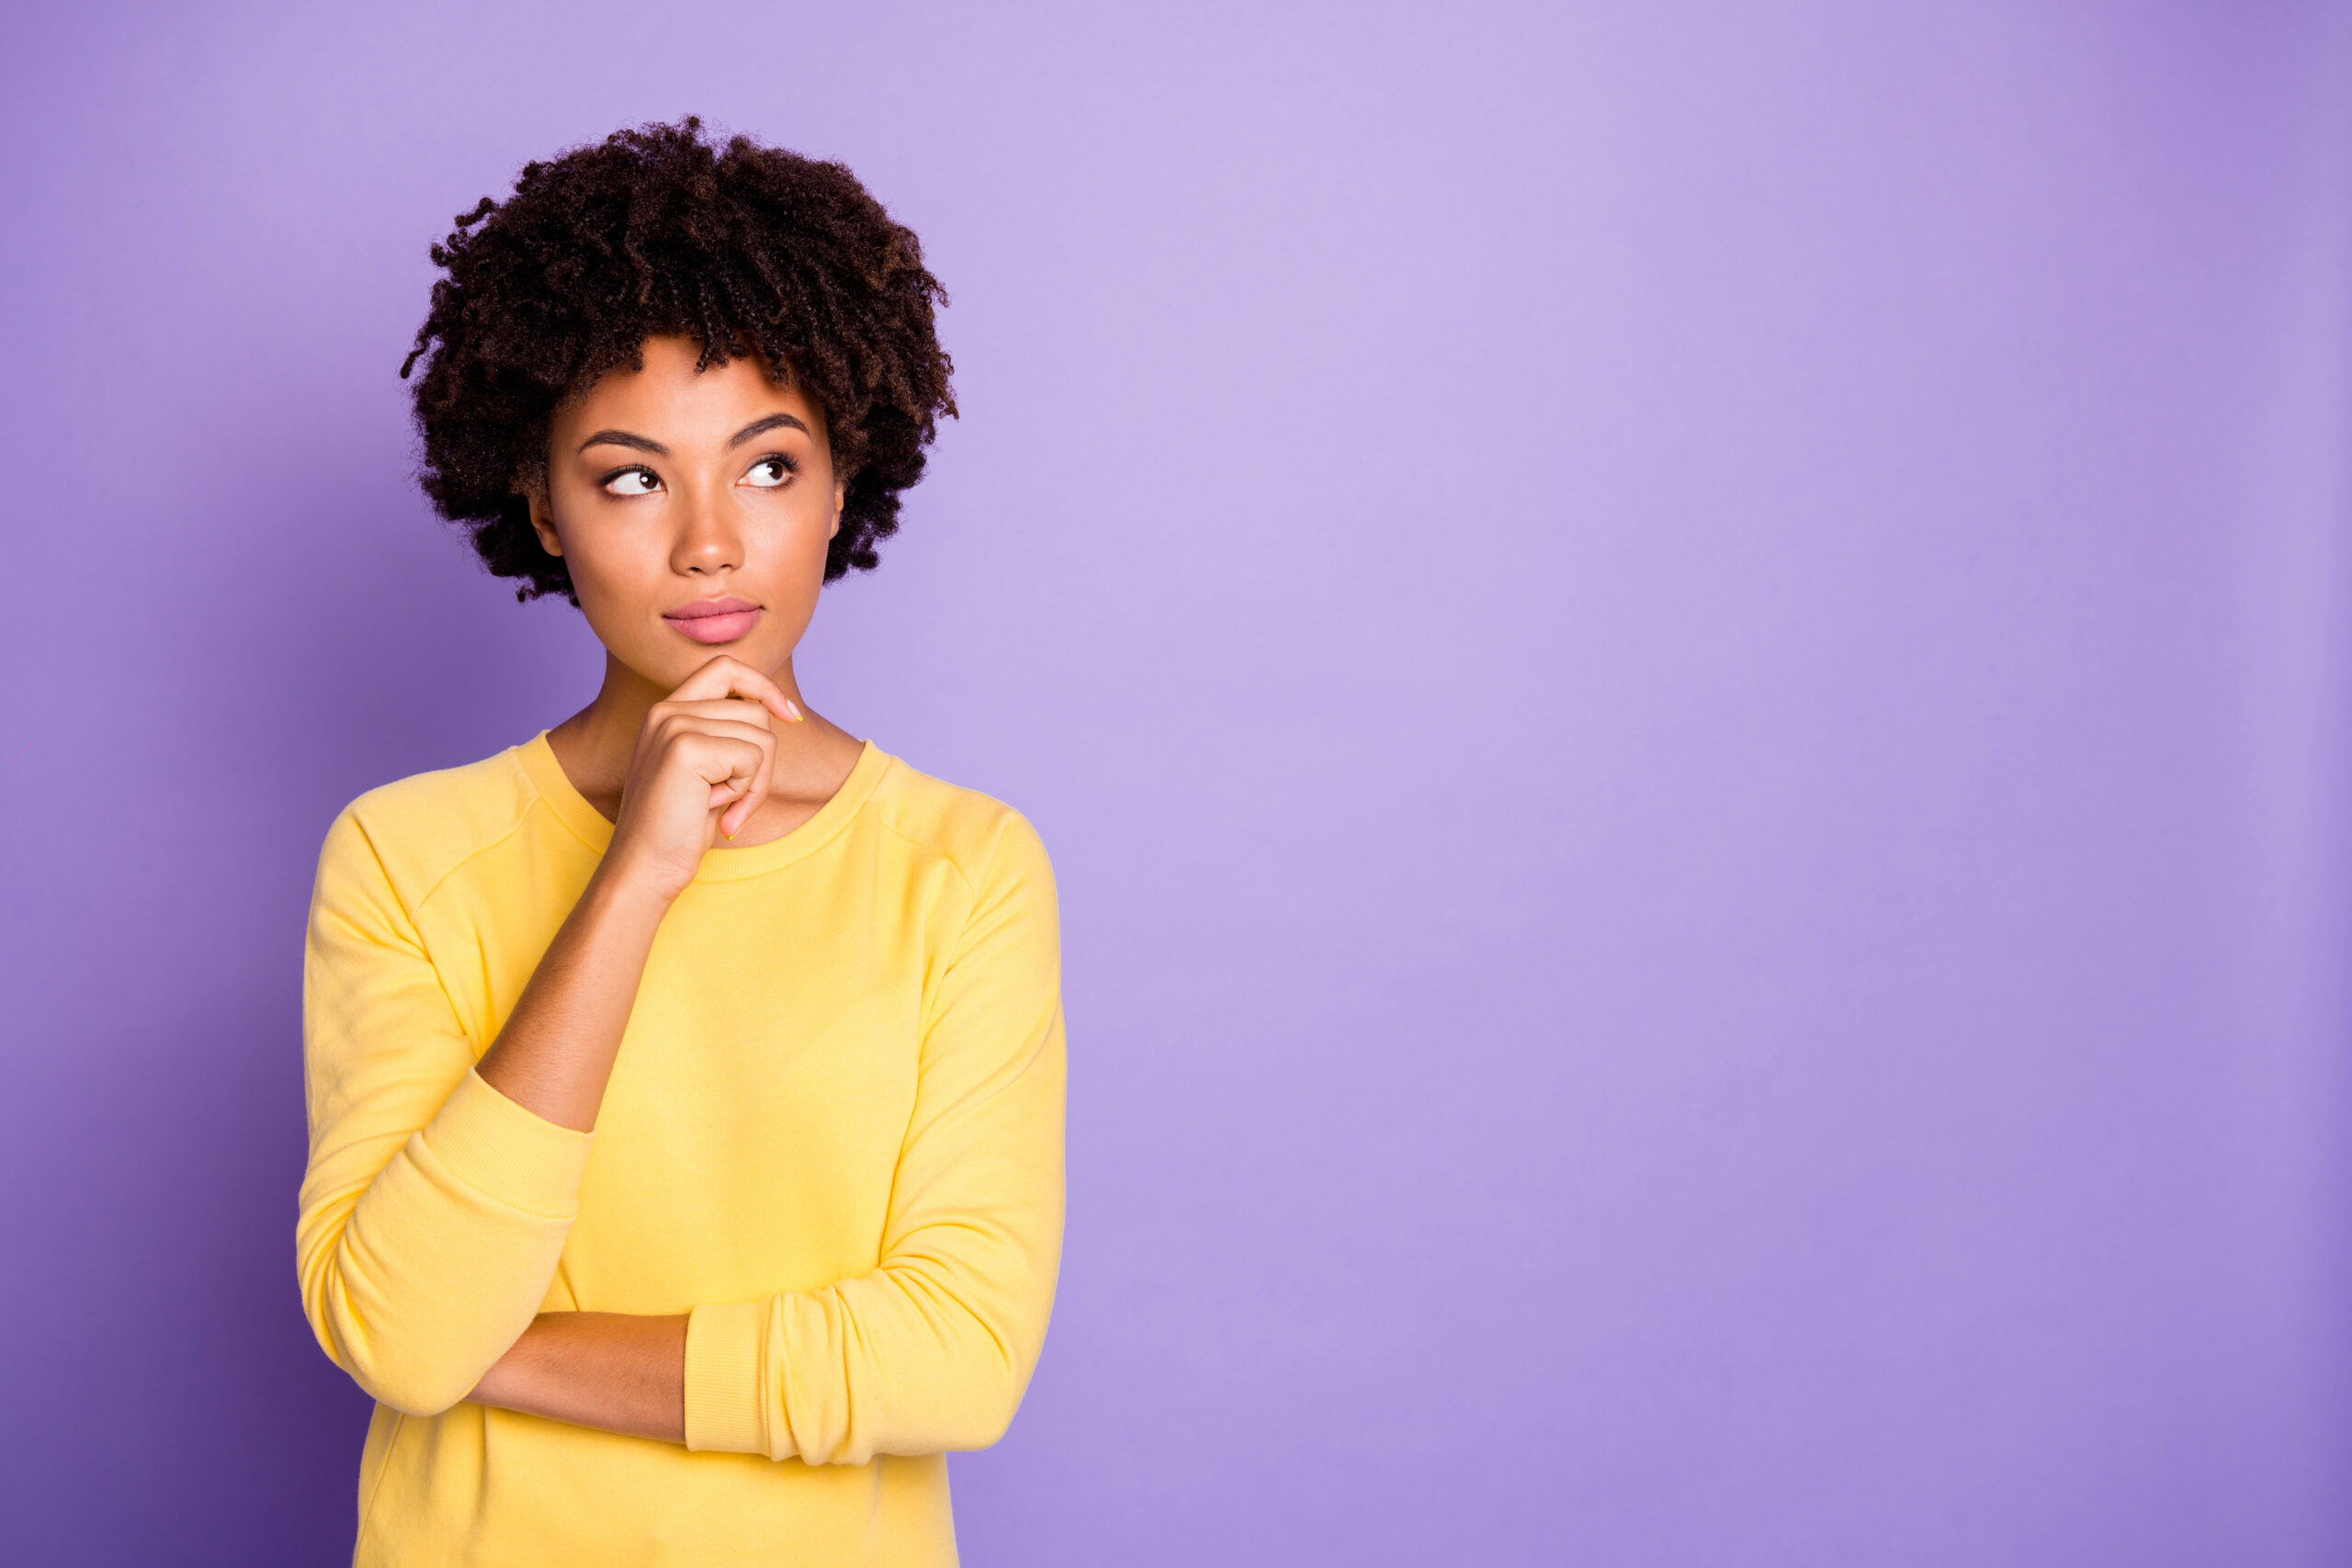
x=655, y=232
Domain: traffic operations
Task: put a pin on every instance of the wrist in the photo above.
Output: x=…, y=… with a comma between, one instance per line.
x=623, y=887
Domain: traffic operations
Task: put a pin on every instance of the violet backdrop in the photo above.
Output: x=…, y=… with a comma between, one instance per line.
x=1684, y=664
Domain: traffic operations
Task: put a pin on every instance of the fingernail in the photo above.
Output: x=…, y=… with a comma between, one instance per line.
x=792, y=710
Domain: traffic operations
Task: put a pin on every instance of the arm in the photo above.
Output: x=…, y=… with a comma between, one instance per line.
x=610, y=1370
x=438, y=1194
x=932, y=1349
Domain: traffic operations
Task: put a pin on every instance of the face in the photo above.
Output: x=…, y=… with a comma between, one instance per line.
x=673, y=493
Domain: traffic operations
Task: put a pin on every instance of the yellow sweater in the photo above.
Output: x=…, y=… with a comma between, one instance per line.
x=833, y=1134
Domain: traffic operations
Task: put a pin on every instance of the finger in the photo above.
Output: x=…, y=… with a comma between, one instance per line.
x=740, y=709
x=725, y=676
x=732, y=801
x=731, y=821
x=749, y=793
x=674, y=728
x=721, y=750
x=735, y=760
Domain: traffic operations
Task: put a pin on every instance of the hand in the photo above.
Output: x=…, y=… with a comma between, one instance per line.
x=701, y=768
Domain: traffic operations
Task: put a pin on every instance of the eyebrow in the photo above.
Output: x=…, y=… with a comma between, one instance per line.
x=644, y=443
x=623, y=438
x=762, y=426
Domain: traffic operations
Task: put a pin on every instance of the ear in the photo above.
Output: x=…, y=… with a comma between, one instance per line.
x=542, y=519
x=841, y=499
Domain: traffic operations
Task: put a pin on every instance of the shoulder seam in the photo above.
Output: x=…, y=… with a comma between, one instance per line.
x=463, y=860
x=953, y=864
x=473, y=855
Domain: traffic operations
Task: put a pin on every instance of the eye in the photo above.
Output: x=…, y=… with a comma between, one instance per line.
x=632, y=481
x=770, y=473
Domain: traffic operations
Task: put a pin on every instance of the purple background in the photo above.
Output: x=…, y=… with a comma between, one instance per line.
x=1685, y=667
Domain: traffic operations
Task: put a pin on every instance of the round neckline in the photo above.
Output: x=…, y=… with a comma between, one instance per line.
x=720, y=862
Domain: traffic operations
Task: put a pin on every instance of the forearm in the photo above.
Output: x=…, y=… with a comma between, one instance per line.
x=609, y=1370
x=555, y=1053
x=419, y=1276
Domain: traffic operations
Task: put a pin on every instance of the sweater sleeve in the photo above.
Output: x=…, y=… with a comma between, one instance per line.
x=434, y=1209
x=932, y=1349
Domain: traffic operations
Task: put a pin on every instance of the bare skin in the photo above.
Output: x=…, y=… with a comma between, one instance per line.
x=665, y=487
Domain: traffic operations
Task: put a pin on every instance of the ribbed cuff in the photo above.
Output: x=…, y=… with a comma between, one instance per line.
x=726, y=1396
x=521, y=1159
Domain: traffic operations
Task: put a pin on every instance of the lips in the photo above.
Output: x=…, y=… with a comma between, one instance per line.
x=714, y=620
x=701, y=608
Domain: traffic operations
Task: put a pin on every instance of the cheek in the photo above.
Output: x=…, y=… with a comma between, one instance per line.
x=616, y=573
x=617, y=564
x=812, y=525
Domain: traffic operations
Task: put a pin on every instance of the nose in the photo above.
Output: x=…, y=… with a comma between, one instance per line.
x=707, y=542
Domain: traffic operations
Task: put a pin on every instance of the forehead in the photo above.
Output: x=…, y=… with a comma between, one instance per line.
x=668, y=398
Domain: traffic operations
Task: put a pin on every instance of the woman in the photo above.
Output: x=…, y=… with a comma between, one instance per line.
x=685, y=1083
